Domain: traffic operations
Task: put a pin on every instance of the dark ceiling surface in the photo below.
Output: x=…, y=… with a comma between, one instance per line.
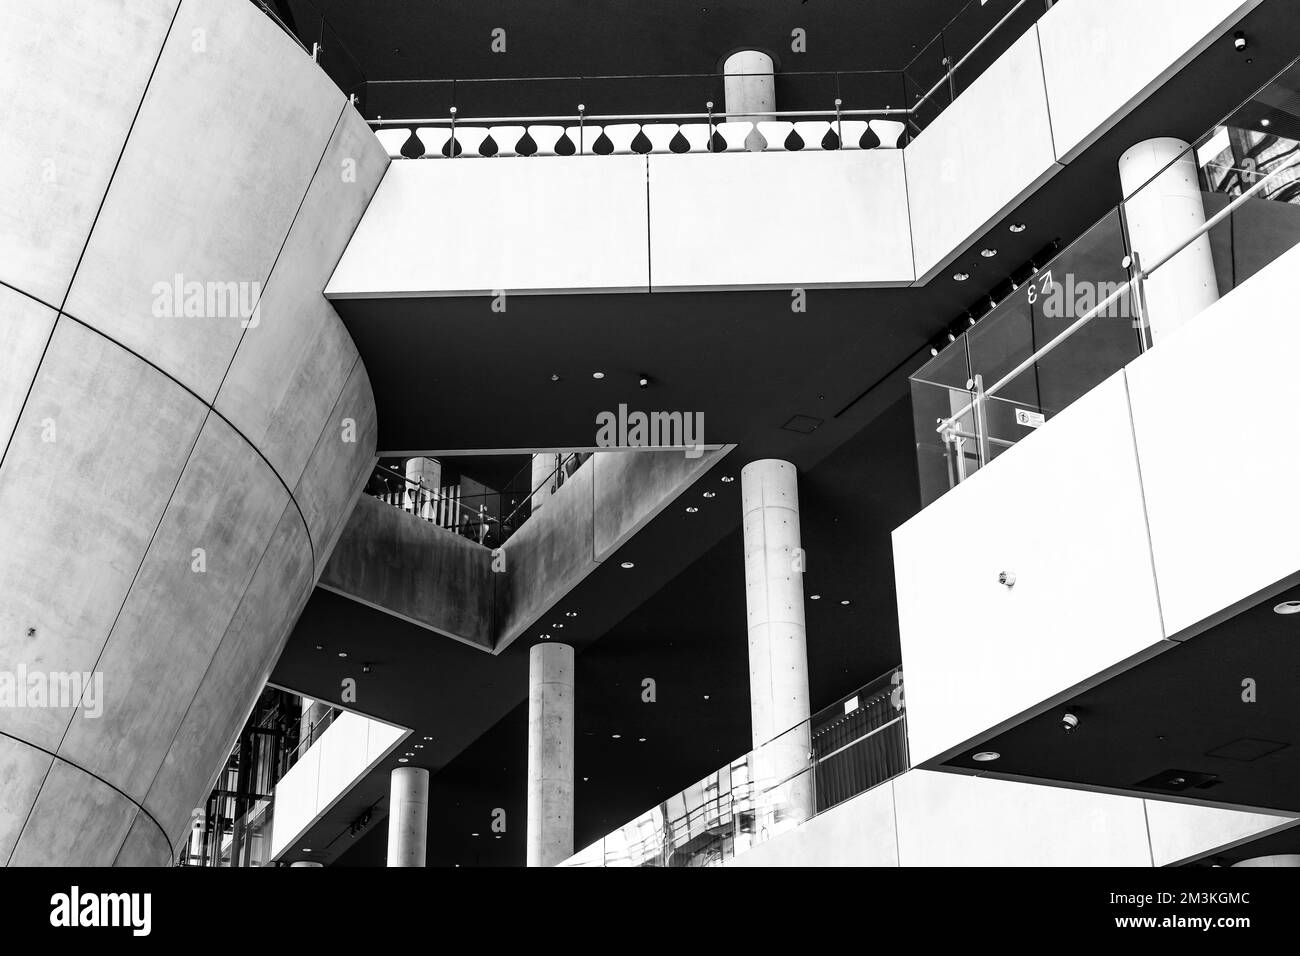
x=1183, y=714
x=446, y=378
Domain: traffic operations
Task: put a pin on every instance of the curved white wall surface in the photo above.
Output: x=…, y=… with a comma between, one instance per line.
x=148, y=140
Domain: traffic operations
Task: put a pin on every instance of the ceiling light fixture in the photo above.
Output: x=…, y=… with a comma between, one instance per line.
x=597, y=374
x=1287, y=607
x=727, y=479
x=428, y=738
x=961, y=276
x=988, y=253
x=617, y=736
x=627, y=565
x=710, y=494
x=984, y=756
x=1266, y=123
x=816, y=597
x=691, y=509
x=401, y=760
x=1018, y=227
x=555, y=378
x=844, y=602
x=343, y=653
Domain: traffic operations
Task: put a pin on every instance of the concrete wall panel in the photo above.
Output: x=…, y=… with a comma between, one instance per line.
x=414, y=570
x=779, y=219
x=23, y=769
x=145, y=844
x=75, y=817
x=292, y=365
x=77, y=512
x=185, y=201
x=25, y=327
x=1183, y=831
x=226, y=505
x=632, y=487
x=245, y=658
x=73, y=73
x=118, y=467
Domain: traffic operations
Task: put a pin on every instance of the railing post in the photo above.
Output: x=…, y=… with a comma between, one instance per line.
x=451, y=143
x=981, y=422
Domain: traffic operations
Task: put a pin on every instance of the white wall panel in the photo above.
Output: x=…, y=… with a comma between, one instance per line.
x=779, y=220
x=1102, y=57
x=947, y=819
x=331, y=766
x=466, y=226
x=1062, y=511
x=1214, y=414
x=858, y=832
x=981, y=156
x=1181, y=831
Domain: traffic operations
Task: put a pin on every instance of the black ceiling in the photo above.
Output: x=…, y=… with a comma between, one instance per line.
x=1181, y=714
x=444, y=377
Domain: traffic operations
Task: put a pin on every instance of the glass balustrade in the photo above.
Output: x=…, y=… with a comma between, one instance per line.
x=844, y=750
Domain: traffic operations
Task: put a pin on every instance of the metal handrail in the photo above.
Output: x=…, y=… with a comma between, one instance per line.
x=456, y=119
x=958, y=65
x=1140, y=275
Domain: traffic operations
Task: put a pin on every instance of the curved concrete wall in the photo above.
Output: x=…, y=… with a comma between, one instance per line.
x=175, y=469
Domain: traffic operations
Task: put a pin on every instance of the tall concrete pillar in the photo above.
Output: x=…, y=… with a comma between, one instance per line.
x=1162, y=206
x=778, y=651
x=1280, y=860
x=408, y=816
x=427, y=474
x=542, y=478
x=749, y=87
x=550, y=754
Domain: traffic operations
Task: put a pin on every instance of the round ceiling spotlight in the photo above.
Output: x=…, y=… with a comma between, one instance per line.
x=555, y=378
x=984, y=756
x=961, y=276
x=570, y=613
x=401, y=760
x=691, y=509
x=343, y=653
x=988, y=253
x=727, y=479
x=710, y=494
x=428, y=738
x=616, y=736
x=597, y=375
x=1266, y=123
x=844, y=602
x=815, y=597
x=1287, y=607
x=627, y=565
x=1018, y=227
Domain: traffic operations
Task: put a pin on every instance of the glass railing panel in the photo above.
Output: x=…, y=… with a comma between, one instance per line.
x=943, y=459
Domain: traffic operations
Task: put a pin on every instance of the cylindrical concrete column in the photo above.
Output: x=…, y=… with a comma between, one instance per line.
x=550, y=754
x=1280, y=860
x=749, y=86
x=778, y=652
x=408, y=816
x=426, y=473
x=542, y=478
x=1162, y=207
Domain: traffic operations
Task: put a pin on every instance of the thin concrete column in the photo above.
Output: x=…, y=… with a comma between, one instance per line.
x=749, y=86
x=408, y=816
x=550, y=754
x=778, y=651
x=427, y=474
x=1162, y=207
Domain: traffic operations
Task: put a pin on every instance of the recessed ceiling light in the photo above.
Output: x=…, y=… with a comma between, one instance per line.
x=727, y=479
x=984, y=756
x=988, y=253
x=418, y=746
x=844, y=602
x=816, y=597
x=401, y=760
x=706, y=696
x=559, y=624
x=306, y=849
x=691, y=509
x=320, y=647
x=1287, y=607
x=410, y=754
x=555, y=378
x=343, y=653
x=597, y=374
x=640, y=740
x=1266, y=122
x=710, y=494
x=961, y=276
x=617, y=736
x=428, y=738
x=1018, y=227
x=570, y=613
x=473, y=834
x=627, y=565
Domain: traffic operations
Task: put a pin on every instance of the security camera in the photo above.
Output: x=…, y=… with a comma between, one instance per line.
x=1069, y=723
x=1239, y=41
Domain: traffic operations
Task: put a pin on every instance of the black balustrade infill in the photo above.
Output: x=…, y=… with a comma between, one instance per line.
x=191, y=910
